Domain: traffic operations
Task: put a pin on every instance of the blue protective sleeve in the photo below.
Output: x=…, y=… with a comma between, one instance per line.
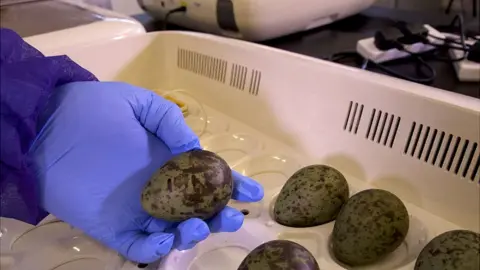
x=27, y=78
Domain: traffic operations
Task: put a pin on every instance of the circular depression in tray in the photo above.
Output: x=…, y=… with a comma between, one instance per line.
x=405, y=254
x=56, y=245
x=10, y=230
x=270, y=170
x=249, y=210
x=214, y=125
x=188, y=102
x=194, y=112
x=220, y=251
x=39, y=236
x=309, y=239
x=46, y=261
x=82, y=264
x=232, y=147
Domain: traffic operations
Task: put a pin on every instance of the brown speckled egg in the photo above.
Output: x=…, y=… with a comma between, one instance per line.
x=312, y=196
x=453, y=250
x=372, y=224
x=279, y=255
x=195, y=184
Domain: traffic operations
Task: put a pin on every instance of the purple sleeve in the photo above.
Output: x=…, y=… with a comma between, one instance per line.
x=27, y=79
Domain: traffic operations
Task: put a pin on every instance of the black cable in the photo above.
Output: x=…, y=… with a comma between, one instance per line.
x=449, y=43
x=458, y=18
x=364, y=63
x=449, y=7
x=337, y=57
x=447, y=46
x=461, y=25
x=410, y=37
x=449, y=40
x=182, y=9
x=474, y=8
x=420, y=63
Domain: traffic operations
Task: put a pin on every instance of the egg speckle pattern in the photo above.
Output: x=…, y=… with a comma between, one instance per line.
x=372, y=224
x=312, y=196
x=195, y=184
x=279, y=255
x=453, y=250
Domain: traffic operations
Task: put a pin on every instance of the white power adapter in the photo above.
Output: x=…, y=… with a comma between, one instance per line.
x=368, y=49
x=466, y=70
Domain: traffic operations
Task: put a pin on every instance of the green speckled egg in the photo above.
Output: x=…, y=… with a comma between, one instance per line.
x=312, y=196
x=453, y=250
x=372, y=224
x=279, y=255
x=195, y=184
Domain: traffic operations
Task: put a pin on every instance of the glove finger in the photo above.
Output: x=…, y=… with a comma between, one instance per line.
x=143, y=248
x=164, y=119
x=228, y=220
x=190, y=232
x=154, y=225
x=246, y=189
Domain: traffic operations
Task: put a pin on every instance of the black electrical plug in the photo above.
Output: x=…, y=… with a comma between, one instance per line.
x=383, y=43
x=413, y=34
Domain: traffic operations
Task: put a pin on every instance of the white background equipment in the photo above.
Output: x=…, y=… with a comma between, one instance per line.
x=107, y=25
x=254, y=20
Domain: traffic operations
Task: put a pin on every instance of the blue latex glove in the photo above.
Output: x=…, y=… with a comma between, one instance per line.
x=99, y=144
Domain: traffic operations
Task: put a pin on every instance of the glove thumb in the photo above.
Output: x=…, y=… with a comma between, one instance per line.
x=146, y=248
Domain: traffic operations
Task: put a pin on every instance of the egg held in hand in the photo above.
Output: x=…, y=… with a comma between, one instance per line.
x=195, y=184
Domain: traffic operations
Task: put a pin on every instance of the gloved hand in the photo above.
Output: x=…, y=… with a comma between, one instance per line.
x=99, y=144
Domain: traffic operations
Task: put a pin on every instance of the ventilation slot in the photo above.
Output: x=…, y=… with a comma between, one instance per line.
x=383, y=128
x=354, y=116
x=201, y=64
x=446, y=151
x=238, y=76
x=255, y=79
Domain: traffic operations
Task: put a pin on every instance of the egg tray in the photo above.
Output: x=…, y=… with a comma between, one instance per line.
x=56, y=245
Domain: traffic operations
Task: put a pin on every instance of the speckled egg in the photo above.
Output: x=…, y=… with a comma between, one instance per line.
x=279, y=255
x=195, y=184
x=312, y=196
x=372, y=224
x=453, y=250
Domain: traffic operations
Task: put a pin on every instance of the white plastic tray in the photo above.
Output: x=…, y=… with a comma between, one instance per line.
x=418, y=142
x=250, y=153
